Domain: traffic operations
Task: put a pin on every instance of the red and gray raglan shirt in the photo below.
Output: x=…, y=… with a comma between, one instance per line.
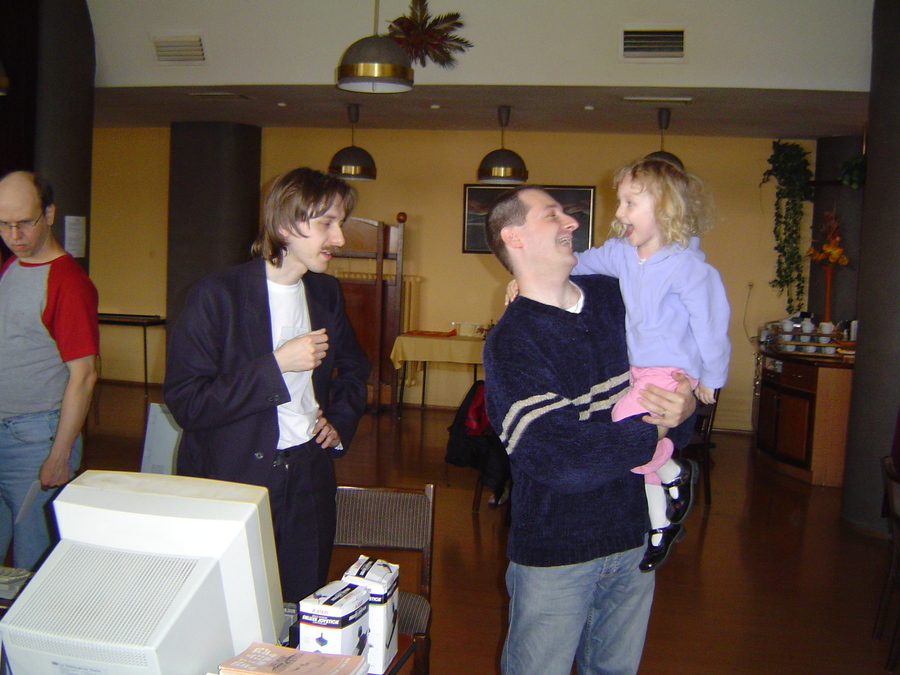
x=48, y=315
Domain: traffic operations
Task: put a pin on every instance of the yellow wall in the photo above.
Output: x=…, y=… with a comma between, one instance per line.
x=422, y=173
x=129, y=215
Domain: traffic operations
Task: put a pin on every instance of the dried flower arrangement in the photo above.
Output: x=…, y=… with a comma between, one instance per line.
x=426, y=38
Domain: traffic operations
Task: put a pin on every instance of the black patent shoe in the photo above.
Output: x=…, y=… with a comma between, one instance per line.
x=679, y=507
x=655, y=556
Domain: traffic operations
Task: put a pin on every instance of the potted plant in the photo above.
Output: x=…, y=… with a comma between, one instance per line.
x=790, y=169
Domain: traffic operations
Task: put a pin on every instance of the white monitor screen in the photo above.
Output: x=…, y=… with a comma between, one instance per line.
x=153, y=574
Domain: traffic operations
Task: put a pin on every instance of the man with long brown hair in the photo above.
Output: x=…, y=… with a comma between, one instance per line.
x=265, y=374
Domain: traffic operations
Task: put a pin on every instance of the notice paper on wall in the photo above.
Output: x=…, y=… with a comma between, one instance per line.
x=75, y=235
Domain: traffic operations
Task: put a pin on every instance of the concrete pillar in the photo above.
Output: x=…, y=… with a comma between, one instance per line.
x=214, y=176
x=64, y=116
x=47, y=119
x=876, y=377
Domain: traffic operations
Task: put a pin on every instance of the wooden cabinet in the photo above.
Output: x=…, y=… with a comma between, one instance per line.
x=802, y=407
x=371, y=279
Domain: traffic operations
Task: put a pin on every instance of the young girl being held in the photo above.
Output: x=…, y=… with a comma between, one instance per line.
x=676, y=316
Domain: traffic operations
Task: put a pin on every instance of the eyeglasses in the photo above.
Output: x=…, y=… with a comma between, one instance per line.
x=22, y=225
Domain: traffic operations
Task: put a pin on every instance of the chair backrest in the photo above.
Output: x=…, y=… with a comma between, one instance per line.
x=161, y=440
x=388, y=518
x=891, y=488
x=706, y=415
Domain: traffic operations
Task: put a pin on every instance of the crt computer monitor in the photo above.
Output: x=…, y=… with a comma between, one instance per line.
x=153, y=575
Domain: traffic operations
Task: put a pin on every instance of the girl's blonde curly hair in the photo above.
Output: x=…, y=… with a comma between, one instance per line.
x=682, y=207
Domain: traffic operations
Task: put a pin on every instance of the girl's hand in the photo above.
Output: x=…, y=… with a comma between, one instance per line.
x=512, y=290
x=705, y=394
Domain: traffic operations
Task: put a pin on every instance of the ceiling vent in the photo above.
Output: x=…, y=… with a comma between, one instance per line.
x=179, y=49
x=653, y=44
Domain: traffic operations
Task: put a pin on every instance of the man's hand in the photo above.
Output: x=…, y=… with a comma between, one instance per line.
x=325, y=434
x=54, y=471
x=512, y=290
x=72, y=412
x=668, y=409
x=705, y=394
x=303, y=352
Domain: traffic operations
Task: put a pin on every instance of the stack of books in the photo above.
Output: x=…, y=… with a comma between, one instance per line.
x=269, y=659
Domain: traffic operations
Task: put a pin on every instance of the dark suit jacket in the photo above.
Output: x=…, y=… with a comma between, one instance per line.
x=223, y=384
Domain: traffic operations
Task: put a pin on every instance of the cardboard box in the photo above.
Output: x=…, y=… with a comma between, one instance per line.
x=380, y=578
x=335, y=620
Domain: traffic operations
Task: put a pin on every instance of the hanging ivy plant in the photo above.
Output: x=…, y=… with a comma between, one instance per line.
x=853, y=172
x=425, y=37
x=790, y=169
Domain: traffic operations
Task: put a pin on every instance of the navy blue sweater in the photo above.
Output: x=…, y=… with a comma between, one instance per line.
x=551, y=379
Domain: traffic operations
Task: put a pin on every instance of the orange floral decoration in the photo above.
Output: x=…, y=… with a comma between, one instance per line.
x=831, y=253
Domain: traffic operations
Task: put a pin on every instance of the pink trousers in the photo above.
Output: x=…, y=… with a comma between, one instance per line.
x=628, y=406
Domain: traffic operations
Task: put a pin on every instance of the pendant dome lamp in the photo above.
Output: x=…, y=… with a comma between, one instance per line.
x=352, y=162
x=375, y=65
x=663, y=117
x=502, y=166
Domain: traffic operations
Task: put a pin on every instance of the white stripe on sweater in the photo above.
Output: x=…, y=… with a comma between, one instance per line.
x=609, y=401
x=522, y=413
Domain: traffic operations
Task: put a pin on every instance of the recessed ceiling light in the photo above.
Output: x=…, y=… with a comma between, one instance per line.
x=589, y=107
x=218, y=96
x=435, y=106
x=281, y=104
x=659, y=99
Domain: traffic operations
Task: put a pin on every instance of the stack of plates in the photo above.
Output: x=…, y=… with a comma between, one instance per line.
x=809, y=344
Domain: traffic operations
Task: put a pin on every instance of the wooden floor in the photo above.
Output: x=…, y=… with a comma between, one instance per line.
x=766, y=581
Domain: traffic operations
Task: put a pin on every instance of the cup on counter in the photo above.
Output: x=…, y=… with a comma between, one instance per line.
x=824, y=339
x=807, y=326
x=826, y=327
x=809, y=349
x=465, y=329
x=787, y=325
x=829, y=350
x=788, y=348
x=805, y=337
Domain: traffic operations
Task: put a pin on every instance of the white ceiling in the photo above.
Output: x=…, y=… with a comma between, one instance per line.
x=753, y=68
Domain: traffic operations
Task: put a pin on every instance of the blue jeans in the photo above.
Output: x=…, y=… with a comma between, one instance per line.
x=25, y=442
x=595, y=613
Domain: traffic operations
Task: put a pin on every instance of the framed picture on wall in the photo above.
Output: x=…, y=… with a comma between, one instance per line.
x=576, y=200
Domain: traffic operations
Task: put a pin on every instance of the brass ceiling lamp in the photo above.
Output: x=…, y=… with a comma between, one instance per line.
x=375, y=65
x=663, y=117
x=502, y=166
x=352, y=162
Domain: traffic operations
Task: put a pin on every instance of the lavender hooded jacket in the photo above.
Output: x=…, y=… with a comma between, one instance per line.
x=675, y=303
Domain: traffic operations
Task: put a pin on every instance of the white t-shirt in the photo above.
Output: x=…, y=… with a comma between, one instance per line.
x=290, y=318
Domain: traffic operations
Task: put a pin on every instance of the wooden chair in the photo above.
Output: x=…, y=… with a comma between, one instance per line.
x=395, y=519
x=891, y=481
x=700, y=444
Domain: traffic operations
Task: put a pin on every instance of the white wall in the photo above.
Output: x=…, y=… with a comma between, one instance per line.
x=794, y=44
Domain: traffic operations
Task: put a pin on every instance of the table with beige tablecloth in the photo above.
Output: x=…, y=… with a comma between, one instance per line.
x=419, y=348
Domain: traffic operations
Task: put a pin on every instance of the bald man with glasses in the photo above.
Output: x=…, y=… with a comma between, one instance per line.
x=49, y=342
